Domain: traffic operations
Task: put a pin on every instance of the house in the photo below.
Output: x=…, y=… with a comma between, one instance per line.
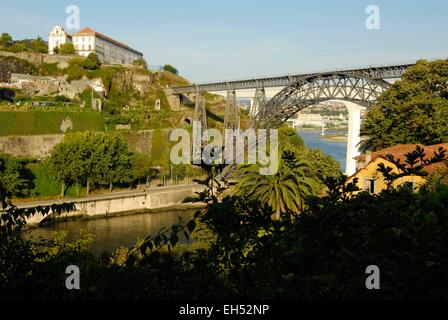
x=371, y=180
x=86, y=41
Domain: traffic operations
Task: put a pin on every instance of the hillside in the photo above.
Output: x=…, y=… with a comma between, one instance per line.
x=130, y=97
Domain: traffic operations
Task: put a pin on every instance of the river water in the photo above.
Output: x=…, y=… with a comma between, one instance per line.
x=115, y=232
x=336, y=149
x=125, y=231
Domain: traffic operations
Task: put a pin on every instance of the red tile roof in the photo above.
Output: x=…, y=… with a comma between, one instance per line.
x=399, y=152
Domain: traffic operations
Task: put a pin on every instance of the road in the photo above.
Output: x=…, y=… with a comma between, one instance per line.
x=113, y=195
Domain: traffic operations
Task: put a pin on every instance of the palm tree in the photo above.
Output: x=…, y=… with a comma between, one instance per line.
x=286, y=190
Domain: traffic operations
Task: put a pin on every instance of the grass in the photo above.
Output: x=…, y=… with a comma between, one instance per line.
x=47, y=122
x=44, y=184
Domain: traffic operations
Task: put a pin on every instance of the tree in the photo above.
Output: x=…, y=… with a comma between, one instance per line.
x=39, y=45
x=413, y=110
x=74, y=72
x=15, y=179
x=67, y=48
x=92, y=62
x=91, y=158
x=170, y=68
x=142, y=168
x=140, y=63
x=113, y=160
x=285, y=191
x=56, y=50
x=5, y=38
x=18, y=47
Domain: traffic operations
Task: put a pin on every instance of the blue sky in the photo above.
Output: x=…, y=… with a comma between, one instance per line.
x=218, y=40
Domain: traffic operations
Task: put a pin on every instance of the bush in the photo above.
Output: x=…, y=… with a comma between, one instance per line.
x=67, y=48
x=17, y=47
x=74, y=72
x=170, y=68
x=92, y=62
x=140, y=63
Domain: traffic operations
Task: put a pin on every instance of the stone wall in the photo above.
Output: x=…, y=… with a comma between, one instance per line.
x=29, y=146
x=43, y=85
x=110, y=205
x=39, y=146
x=38, y=58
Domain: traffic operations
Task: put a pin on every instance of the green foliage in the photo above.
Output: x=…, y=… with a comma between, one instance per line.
x=140, y=63
x=47, y=122
x=142, y=168
x=284, y=191
x=74, y=72
x=67, y=48
x=91, y=158
x=92, y=62
x=18, y=47
x=415, y=164
x=10, y=65
x=170, y=68
x=319, y=163
x=7, y=94
x=50, y=69
x=413, y=110
x=39, y=45
x=15, y=178
x=5, y=39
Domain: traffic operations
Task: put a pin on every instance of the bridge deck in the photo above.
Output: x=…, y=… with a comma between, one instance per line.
x=381, y=72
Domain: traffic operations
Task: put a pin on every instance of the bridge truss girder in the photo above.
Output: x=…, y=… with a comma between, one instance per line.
x=200, y=116
x=257, y=109
x=232, y=114
x=311, y=90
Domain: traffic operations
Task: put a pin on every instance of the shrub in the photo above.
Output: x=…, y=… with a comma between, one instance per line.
x=170, y=68
x=92, y=62
x=67, y=48
x=74, y=72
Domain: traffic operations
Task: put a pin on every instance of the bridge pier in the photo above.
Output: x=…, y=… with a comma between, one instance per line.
x=354, y=138
x=232, y=113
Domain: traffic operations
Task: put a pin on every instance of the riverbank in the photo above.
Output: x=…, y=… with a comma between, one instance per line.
x=104, y=206
x=335, y=137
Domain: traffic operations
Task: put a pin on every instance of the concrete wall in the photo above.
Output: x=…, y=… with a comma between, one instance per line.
x=110, y=205
x=29, y=146
x=38, y=58
x=39, y=146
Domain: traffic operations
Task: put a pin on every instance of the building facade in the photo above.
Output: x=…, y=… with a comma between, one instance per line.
x=57, y=37
x=371, y=180
x=88, y=41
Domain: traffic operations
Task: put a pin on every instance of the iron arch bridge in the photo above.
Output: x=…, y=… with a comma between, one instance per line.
x=357, y=88
x=311, y=90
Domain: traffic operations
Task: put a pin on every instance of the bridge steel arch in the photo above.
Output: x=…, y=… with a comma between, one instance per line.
x=356, y=90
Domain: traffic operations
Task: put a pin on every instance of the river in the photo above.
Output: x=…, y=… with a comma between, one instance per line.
x=115, y=232
x=336, y=149
x=125, y=231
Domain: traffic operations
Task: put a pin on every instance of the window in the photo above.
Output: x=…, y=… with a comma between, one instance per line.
x=369, y=185
x=409, y=184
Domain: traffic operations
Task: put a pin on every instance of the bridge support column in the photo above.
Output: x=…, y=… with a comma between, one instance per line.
x=354, y=138
x=232, y=115
x=258, y=104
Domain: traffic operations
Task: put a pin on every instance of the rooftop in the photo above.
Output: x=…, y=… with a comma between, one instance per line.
x=400, y=151
x=89, y=31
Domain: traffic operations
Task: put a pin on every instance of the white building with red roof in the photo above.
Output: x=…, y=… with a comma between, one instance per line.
x=88, y=41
